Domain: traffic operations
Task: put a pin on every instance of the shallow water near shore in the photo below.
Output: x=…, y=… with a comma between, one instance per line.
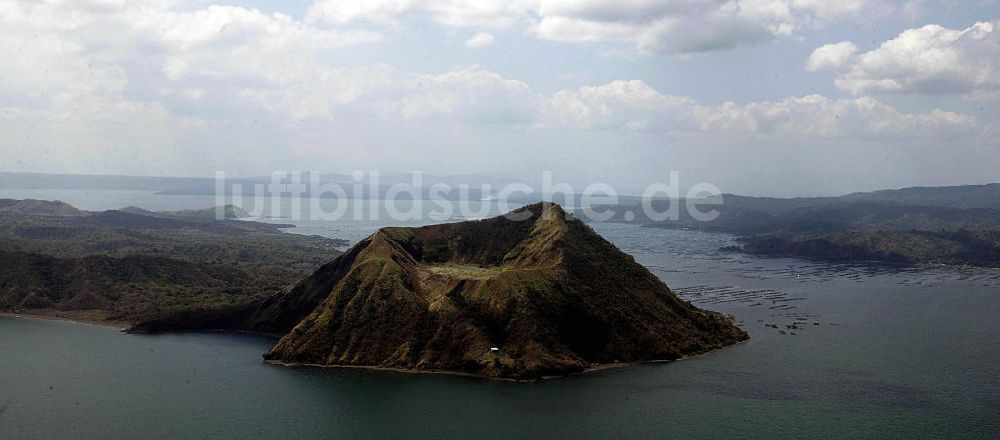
x=836, y=351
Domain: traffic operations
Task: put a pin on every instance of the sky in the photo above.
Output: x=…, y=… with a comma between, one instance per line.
x=759, y=97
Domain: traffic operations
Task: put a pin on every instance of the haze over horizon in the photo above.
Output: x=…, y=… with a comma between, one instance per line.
x=758, y=97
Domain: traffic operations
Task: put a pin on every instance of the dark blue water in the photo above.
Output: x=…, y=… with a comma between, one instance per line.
x=837, y=351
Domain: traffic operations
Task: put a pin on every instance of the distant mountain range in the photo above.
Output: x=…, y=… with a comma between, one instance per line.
x=946, y=225
x=206, y=186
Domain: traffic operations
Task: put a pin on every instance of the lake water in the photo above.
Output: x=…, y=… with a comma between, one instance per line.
x=837, y=351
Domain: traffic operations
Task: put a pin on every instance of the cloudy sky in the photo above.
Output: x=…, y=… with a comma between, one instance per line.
x=776, y=97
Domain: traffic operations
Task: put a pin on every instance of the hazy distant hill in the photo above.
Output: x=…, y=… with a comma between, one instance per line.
x=207, y=186
x=965, y=197
x=132, y=265
x=951, y=225
x=40, y=207
x=91, y=182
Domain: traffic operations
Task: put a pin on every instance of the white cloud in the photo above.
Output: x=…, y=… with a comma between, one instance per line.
x=629, y=105
x=634, y=105
x=650, y=26
x=192, y=87
x=480, y=40
x=667, y=36
x=457, y=13
x=100, y=60
x=342, y=12
x=786, y=16
x=690, y=26
x=831, y=56
x=469, y=93
x=928, y=60
x=818, y=116
x=68, y=56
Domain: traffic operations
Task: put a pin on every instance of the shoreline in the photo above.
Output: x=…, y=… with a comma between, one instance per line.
x=123, y=327
x=116, y=325
x=591, y=369
x=230, y=331
x=392, y=370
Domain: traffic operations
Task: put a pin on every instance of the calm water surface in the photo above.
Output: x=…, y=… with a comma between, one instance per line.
x=836, y=351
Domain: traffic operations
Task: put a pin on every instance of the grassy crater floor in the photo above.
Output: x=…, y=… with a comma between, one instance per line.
x=466, y=271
